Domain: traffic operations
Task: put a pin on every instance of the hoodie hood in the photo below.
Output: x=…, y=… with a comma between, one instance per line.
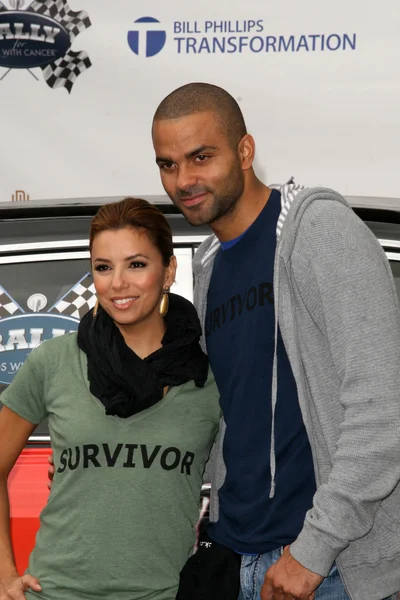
x=294, y=204
x=204, y=257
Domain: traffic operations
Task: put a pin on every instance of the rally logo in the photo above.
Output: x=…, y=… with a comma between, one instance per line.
x=21, y=331
x=39, y=35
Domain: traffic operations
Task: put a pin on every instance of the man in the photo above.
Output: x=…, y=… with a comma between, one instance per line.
x=301, y=324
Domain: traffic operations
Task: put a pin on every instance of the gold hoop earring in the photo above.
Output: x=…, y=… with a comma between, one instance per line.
x=95, y=309
x=164, y=303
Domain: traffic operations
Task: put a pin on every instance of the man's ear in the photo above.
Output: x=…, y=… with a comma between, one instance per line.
x=247, y=150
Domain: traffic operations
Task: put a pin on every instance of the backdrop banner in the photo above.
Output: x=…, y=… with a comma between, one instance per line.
x=318, y=83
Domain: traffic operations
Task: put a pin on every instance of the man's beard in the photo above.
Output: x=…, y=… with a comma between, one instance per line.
x=223, y=201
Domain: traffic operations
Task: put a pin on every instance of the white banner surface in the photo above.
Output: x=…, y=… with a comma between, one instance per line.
x=318, y=83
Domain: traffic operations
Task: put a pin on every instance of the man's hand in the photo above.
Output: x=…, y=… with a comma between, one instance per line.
x=51, y=471
x=288, y=579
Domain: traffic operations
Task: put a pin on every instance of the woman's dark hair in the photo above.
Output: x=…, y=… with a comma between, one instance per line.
x=136, y=214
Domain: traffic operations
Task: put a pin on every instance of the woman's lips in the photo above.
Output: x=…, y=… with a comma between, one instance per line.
x=124, y=303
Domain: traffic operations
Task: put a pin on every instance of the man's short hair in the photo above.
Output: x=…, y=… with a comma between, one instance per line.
x=203, y=97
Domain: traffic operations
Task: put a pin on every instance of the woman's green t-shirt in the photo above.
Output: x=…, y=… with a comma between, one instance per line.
x=120, y=520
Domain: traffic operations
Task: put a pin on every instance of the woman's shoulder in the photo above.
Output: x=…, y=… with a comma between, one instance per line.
x=60, y=346
x=29, y=393
x=206, y=398
x=209, y=388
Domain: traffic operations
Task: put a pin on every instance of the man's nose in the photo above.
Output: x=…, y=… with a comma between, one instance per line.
x=187, y=178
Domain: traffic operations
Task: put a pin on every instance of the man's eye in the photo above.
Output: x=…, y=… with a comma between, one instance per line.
x=166, y=166
x=201, y=157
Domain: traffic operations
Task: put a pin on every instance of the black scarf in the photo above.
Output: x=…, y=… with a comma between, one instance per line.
x=127, y=384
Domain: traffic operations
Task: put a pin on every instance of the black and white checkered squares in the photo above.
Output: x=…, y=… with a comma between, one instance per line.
x=64, y=71
x=74, y=21
x=78, y=301
x=8, y=306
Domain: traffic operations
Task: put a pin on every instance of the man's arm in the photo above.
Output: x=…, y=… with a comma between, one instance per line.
x=360, y=316
x=347, y=287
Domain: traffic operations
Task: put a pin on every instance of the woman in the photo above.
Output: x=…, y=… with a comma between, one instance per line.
x=132, y=413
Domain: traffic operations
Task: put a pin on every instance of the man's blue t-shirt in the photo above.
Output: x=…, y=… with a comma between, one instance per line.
x=239, y=331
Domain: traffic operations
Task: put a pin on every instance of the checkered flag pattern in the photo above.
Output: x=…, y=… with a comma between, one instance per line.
x=64, y=71
x=8, y=306
x=78, y=301
x=75, y=22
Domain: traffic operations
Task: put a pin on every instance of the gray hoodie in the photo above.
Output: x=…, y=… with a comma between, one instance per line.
x=337, y=309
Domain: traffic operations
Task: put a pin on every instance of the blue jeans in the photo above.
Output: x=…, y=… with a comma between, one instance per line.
x=253, y=569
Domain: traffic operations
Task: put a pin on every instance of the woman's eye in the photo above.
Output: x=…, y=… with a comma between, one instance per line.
x=101, y=268
x=138, y=265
